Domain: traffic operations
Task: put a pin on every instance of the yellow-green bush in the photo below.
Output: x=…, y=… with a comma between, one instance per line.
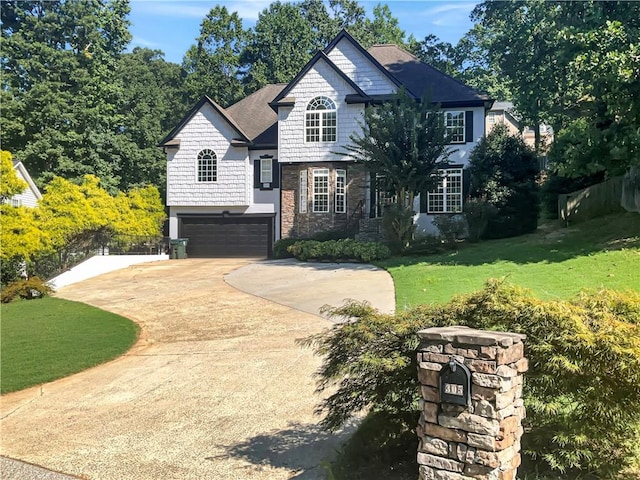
x=582, y=391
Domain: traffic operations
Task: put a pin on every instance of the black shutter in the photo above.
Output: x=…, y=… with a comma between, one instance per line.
x=256, y=173
x=468, y=125
x=276, y=173
x=466, y=184
x=423, y=202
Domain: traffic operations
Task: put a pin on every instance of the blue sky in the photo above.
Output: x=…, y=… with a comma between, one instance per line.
x=173, y=25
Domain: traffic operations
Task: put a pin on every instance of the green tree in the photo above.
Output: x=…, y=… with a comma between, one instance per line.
x=403, y=142
x=213, y=65
x=60, y=101
x=504, y=172
x=149, y=106
x=383, y=28
x=280, y=45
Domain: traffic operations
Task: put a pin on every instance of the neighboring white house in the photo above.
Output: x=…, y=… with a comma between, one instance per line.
x=504, y=113
x=31, y=196
x=267, y=167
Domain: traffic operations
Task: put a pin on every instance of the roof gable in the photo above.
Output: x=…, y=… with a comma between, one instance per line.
x=320, y=55
x=242, y=136
x=22, y=173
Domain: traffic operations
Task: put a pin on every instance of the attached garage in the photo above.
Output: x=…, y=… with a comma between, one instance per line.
x=227, y=235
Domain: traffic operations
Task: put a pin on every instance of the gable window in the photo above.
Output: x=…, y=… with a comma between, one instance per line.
x=321, y=190
x=491, y=118
x=303, y=192
x=454, y=121
x=341, y=191
x=207, y=166
x=266, y=170
x=16, y=202
x=447, y=197
x=321, y=120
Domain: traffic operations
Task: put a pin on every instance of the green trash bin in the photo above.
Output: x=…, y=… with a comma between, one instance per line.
x=178, y=248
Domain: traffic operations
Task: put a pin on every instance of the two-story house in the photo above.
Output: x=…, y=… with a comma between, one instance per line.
x=270, y=166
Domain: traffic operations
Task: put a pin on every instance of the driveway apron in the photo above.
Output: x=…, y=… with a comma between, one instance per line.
x=216, y=387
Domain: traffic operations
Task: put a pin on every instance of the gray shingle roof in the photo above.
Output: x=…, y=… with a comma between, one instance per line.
x=256, y=117
x=420, y=78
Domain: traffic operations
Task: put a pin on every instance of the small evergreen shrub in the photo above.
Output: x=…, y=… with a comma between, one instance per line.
x=29, y=289
x=280, y=248
x=339, y=250
x=477, y=213
x=584, y=363
x=425, y=245
x=451, y=228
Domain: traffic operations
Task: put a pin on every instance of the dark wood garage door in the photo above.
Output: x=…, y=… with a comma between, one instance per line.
x=227, y=236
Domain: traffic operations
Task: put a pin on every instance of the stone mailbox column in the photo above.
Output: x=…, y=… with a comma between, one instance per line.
x=478, y=439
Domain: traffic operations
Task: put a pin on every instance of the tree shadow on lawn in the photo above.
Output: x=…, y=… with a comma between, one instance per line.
x=301, y=448
x=546, y=245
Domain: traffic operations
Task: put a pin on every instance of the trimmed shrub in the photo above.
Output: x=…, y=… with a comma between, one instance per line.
x=339, y=250
x=451, y=228
x=281, y=248
x=29, y=289
x=584, y=358
x=399, y=229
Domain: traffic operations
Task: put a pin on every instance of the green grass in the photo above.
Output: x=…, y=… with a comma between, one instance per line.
x=554, y=264
x=42, y=340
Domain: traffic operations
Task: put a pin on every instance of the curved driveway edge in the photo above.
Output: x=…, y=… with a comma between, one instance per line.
x=218, y=389
x=307, y=286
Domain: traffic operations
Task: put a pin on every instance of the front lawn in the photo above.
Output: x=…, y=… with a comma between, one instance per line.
x=554, y=264
x=50, y=338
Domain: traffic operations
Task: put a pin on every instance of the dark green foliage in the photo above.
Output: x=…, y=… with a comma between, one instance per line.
x=451, y=229
x=399, y=229
x=27, y=289
x=339, y=250
x=477, y=213
x=403, y=142
x=281, y=248
x=504, y=171
x=584, y=358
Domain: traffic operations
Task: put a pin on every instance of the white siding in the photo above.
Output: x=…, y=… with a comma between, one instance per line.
x=208, y=129
x=360, y=69
x=461, y=156
x=320, y=80
x=265, y=199
x=31, y=195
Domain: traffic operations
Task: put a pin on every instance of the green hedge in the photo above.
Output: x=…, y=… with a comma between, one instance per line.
x=582, y=390
x=339, y=250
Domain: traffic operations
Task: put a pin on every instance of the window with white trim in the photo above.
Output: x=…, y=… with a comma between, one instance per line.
x=341, y=191
x=321, y=120
x=303, y=192
x=447, y=197
x=266, y=170
x=16, y=202
x=491, y=118
x=320, y=190
x=454, y=121
x=207, y=166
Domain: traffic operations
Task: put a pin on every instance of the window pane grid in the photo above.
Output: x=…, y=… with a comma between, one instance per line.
x=266, y=171
x=207, y=166
x=454, y=122
x=321, y=191
x=341, y=191
x=321, y=120
x=447, y=197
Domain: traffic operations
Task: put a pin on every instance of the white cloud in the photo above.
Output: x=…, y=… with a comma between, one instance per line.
x=451, y=14
x=248, y=9
x=142, y=42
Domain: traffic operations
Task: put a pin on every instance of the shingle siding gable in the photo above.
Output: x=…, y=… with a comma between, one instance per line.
x=208, y=129
x=360, y=69
x=321, y=79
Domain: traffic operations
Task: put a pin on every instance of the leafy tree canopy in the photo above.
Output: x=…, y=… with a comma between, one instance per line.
x=10, y=183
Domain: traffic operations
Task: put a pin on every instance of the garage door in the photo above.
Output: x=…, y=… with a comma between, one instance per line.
x=227, y=236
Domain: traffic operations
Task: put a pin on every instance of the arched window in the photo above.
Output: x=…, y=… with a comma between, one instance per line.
x=207, y=166
x=321, y=124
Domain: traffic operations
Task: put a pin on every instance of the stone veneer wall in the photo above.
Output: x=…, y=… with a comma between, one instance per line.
x=481, y=441
x=301, y=225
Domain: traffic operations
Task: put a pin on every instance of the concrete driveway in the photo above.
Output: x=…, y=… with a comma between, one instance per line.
x=216, y=388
